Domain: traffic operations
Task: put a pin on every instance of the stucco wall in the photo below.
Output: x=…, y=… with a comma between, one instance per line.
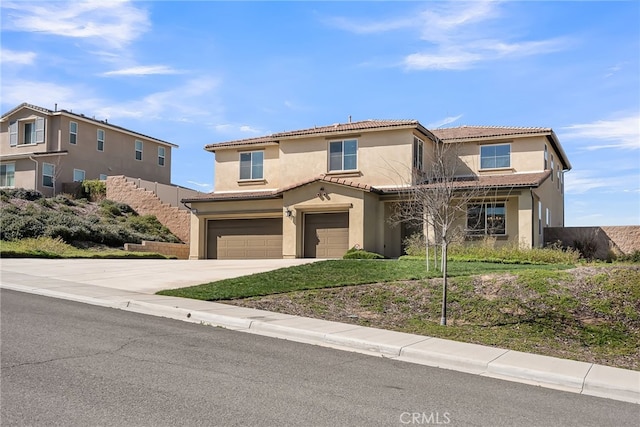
x=145, y=202
x=619, y=239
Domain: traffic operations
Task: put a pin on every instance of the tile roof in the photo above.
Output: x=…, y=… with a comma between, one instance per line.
x=516, y=180
x=83, y=117
x=322, y=130
x=274, y=194
x=470, y=132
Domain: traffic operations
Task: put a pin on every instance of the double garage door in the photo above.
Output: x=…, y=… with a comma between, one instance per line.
x=325, y=236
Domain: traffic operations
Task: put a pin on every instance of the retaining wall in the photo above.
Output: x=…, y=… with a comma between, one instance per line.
x=145, y=202
x=617, y=239
x=179, y=250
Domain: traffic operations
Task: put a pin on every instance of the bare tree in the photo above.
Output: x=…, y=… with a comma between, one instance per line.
x=438, y=198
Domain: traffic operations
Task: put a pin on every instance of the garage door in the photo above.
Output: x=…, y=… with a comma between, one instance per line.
x=244, y=239
x=326, y=235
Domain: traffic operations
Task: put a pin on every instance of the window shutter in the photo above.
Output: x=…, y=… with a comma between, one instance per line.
x=13, y=133
x=39, y=130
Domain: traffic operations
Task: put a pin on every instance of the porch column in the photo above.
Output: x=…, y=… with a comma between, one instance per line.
x=525, y=224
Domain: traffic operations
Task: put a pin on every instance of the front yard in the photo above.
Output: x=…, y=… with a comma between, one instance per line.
x=589, y=313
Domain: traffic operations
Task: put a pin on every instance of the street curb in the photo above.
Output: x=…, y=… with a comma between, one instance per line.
x=577, y=377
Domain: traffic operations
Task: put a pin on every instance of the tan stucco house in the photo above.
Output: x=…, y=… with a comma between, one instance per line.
x=44, y=149
x=318, y=192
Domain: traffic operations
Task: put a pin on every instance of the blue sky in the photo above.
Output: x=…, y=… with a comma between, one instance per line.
x=199, y=72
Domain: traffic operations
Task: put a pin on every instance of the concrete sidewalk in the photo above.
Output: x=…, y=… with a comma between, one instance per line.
x=130, y=285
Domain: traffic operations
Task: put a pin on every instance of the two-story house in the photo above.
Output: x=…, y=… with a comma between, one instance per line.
x=317, y=192
x=44, y=149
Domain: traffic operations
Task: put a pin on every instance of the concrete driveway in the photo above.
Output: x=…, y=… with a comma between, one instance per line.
x=142, y=275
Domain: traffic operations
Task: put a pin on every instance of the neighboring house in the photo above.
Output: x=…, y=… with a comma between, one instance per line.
x=44, y=149
x=317, y=192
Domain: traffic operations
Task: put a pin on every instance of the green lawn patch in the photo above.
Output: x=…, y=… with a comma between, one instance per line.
x=334, y=273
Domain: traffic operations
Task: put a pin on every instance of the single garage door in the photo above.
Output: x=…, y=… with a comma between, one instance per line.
x=326, y=235
x=244, y=238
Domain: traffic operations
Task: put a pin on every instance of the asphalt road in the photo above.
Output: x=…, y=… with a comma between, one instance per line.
x=71, y=364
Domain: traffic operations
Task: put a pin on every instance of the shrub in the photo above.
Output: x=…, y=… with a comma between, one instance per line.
x=632, y=257
x=17, y=226
x=94, y=189
x=355, y=253
x=22, y=193
x=415, y=245
x=64, y=199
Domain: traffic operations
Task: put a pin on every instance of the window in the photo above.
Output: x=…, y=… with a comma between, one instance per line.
x=161, y=156
x=251, y=165
x=100, y=137
x=30, y=131
x=558, y=175
x=7, y=174
x=539, y=217
x=138, y=150
x=48, y=174
x=552, y=167
x=486, y=219
x=103, y=177
x=73, y=133
x=548, y=217
x=546, y=156
x=78, y=175
x=343, y=155
x=495, y=156
x=418, y=151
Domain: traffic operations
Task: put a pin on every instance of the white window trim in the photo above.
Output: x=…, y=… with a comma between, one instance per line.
x=84, y=174
x=135, y=146
x=71, y=132
x=495, y=145
x=14, y=174
x=162, y=156
x=53, y=176
x=342, y=141
x=100, y=140
x=418, y=153
x=252, y=178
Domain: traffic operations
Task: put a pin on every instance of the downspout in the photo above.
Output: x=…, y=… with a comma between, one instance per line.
x=36, y=174
x=533, y=217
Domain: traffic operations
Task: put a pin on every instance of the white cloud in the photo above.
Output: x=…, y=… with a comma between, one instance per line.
x=46, y=95
x=583, y=181
x=201, y=184
x=115, y=23
x=623, y=133
x=455, y=36
x=444, y=122
x=249, y=129
x=13, y=57
x=142, y=70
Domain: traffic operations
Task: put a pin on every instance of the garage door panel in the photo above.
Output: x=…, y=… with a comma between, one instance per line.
x=245, y=238
x=326, y=235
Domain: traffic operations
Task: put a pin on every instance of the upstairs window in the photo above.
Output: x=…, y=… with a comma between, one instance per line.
x=103, y=177
x=486, y=219
x=546, y=157
x=100, y=137
x=138, y=150
x=48, y=174
x=418, y=153
x=160, y=156
x=251, y=165
x=552, y=167
x=495, y=156
x=78, y=175
x=73, y=133
x=7, y=175
x=28, y=131
x=343, y=155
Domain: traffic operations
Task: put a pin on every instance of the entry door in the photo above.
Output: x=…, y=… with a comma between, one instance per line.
x=326, y=235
